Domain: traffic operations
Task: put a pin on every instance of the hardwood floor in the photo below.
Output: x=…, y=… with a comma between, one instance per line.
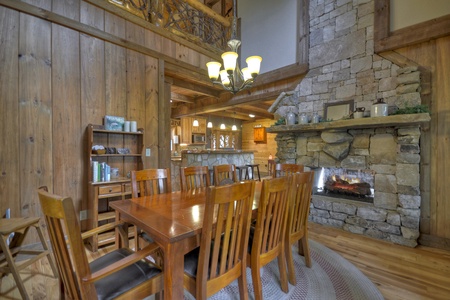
x=399, y=272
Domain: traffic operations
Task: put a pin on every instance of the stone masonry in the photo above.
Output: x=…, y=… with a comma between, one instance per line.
x=343, y=66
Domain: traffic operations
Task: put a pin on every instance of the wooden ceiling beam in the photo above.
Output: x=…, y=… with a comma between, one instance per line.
x=200, y=89
x=180, y=98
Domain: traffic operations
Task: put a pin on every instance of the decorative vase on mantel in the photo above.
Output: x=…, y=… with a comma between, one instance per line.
x=290, y=118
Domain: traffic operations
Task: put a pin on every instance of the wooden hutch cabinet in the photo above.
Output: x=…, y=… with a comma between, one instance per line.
x=124, y=151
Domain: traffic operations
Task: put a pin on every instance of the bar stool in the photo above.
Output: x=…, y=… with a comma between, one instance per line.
x=20, y=227
x=252, y=168
x=241, y=170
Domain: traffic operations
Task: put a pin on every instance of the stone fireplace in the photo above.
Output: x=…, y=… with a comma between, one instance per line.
x=390, y=154
x=344, y=67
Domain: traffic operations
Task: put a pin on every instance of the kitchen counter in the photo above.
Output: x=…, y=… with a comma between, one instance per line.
x=211, y=157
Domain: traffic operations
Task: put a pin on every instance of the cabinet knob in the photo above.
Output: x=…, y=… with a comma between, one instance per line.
x=110, y=190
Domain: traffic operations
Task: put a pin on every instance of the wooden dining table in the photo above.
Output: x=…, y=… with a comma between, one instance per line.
x=174, y=220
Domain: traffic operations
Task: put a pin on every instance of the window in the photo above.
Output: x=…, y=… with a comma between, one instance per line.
x=223, y=139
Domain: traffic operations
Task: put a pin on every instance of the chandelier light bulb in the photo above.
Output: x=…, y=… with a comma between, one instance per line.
x=209, y=125
x=234, y=127
x=222, y=126
x=195, y=123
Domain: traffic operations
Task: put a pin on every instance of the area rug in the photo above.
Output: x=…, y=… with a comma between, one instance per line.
x=331, y=277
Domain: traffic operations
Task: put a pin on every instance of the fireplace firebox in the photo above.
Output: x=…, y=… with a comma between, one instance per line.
x=349, y=184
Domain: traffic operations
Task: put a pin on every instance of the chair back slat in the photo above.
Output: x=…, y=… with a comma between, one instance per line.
x=279, y=170
x=225, y=174
x=194, y=177
x=150, y=182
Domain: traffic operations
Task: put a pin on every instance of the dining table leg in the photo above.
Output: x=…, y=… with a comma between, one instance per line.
x=174, y=267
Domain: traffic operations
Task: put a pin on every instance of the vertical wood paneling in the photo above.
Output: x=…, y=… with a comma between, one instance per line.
x=67, y=8
x=9, y=112
x=164, y=119
x=92, y=63
x=135, y=76
x=67, y=127
x=35, y=111
x=187, y=55
x=151, y=105
x=92, y=15
x=115, y=69
x=45, y=4
x=442, y=134
x=153, y=41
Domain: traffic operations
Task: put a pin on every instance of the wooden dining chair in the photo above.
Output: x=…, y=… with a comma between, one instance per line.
x=225, y=174
x=194, y=177
x=11, y=249
x=119, y=274
x=220, y=259
x=149, y=182
x=297, y=223
x=285, y=169
x=267, y=236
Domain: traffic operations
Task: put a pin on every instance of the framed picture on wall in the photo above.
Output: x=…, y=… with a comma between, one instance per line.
x=338, y=110
x=114, y=123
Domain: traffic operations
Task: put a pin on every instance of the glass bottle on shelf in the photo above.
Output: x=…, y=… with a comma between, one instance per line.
x=290, y=118
x=315, y=118
x=303, y=118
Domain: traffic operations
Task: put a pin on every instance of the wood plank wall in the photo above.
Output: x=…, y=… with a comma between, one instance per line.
x=263, y=150
x=55, y=80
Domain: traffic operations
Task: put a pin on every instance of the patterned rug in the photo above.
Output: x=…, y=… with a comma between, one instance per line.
x=331, y=277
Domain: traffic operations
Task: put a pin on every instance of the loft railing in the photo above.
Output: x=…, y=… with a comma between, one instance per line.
x=191, y=18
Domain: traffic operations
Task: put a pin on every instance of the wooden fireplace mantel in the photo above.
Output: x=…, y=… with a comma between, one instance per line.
x=394, y=120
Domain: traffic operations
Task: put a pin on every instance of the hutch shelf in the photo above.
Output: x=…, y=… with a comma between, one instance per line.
x=100, y=193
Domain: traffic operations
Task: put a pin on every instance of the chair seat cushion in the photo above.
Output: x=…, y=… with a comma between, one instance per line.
x=121, y=281
x=191, y=262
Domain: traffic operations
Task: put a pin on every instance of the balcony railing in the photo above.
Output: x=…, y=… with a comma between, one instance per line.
x=191, y=18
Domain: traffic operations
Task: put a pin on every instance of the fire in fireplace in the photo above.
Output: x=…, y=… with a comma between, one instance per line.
x=344, y=183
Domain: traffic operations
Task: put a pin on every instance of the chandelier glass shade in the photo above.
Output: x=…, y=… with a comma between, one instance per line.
x=232, y=78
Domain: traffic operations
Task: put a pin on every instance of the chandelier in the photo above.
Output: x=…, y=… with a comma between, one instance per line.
x=231, y=77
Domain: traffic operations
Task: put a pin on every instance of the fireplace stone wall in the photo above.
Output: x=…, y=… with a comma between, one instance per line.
x=343, y=66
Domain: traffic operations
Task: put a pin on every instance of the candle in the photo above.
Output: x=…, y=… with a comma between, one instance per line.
x=133, y=126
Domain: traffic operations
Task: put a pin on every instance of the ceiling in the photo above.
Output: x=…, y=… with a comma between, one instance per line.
x=198, y=98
